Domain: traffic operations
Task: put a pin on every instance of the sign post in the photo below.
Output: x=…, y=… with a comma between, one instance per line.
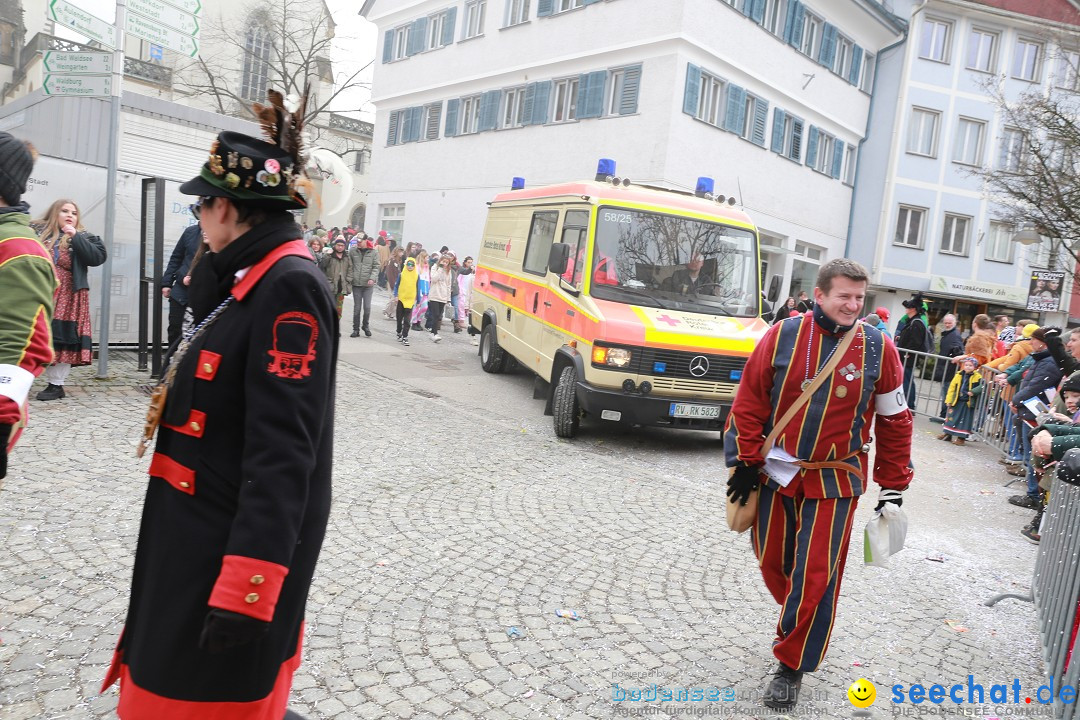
x=80, y=85
x=110, y=191
x=82, y=22
x=78, y=63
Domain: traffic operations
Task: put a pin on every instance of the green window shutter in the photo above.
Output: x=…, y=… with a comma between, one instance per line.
x=796, y=139
x=489, y=109
x=545, y=8
x=388, y=46
x=761, y=119
x=630, y=90
x=828, y=46
x=735, y=112
x=837, y=157
x=418, y=37
x=448, y=26
x=452, y=108
x=432, y=130
x=856, y=65
x=540, y=102
x=793, y=27
x=811, y=147
x=778, y=131
x=591, y=94
x=693, y=89
x=392, y=128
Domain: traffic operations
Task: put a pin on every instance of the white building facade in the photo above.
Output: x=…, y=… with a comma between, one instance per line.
x=769, y=97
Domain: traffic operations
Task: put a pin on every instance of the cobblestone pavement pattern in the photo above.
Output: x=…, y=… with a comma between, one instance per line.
x=458, y=516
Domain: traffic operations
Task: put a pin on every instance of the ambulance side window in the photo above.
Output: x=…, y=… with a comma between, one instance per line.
x=541, y=235
x=575, y=232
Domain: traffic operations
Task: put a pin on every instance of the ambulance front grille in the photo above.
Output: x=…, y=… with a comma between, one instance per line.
x=695, y=386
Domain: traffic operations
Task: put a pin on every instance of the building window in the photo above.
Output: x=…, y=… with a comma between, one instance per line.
x=1068, y=71
x=121, y=322
x=969, y=141
x=431, y=119
x=811, y=36
x=999, y=244
x=848, y=173
x=392, y=220
x=711, y=100
x=564, y=5
x=517, y=12
x=256, y=74
x=787, y=135
x=1026, y=60
x=469, y=118
x=774, y=17
x=954, y=234
x=934, y=44
x=982, y=50
x=823, y=160
x=118, y=286
x=1011, y=156
x=474, y=17
x=1039, y=255
x=842, y=62
x=615, y=87
x=922, y=132
x=401, y=42
x=566, y=92
x=437, y=30
x=909, y=226
x=868, y=67
x=513, y=114
x=755, y=110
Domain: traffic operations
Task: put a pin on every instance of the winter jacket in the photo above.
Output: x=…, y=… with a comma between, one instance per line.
x=365, y=266
x=952, y=344
x=441, y=280
x=1043, y=375
x=914, y=336
x=87, y=251
x=180, y=263
x=974, y=388
x=338, y=273
x=1017, y=352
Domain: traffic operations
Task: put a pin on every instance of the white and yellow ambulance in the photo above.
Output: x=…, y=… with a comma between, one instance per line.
x=634, y=304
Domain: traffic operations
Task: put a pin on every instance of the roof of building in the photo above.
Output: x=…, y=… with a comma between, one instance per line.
x=1061, y=11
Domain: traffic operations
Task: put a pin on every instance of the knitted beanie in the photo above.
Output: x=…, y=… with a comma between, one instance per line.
x=16, y=163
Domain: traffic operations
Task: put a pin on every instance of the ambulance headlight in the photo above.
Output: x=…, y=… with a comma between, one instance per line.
x=611, y=357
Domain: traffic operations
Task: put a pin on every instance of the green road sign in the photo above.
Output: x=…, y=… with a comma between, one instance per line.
x=80, y=85
x=78, y=63
x=82, y=22
x=158, y=34
x=164, y=14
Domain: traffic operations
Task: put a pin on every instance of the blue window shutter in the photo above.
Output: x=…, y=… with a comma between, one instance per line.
x=489, y=109
x=630, y=89
x=796, y=139
x=693, y=89
x=418, y=36
x=811, y=147
x=828, y=46
x=757, y=10
x=416, y=129
x=796, y=14
x=452, y=107
x=591, y=94
x=590, y=2
x=527, y=106
x=388, y=46
x=392, y=128
x=735, y=112
x=837, y=157
x=856, y=65
x=746, y=7
x=540, y=102
x=448, y=26
x=545, y=7
x=431, y=132
x=761, y=119
x=778, y=131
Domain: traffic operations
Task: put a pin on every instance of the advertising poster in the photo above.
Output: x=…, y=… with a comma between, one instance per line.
x=1044, y=293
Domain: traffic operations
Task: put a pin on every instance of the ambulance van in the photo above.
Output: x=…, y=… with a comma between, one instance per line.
x=633, y=304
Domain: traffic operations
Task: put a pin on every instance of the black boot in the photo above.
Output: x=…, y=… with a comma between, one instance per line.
x=355, y=333
x=52, y=392
x=782, y=692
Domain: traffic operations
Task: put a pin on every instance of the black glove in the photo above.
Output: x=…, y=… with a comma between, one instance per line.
x=743, y=482
x=889, y=496
x=224, y=630
x=5, y=434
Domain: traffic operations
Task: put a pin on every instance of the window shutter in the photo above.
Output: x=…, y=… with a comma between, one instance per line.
x=416, y=123
x=837, y=157
x=448, y=27
x=527, y=105
x=761, y=119
x=746, y=7
x=630, y=90
x=452, y=107
x=545, y=8
x=388, y=46
x=811, y=147
x=489, y=109
x=796, y=15
x=856, y=65
x=540, y=102
x=828, y=46
x=435, y=114
x=590, y=2
x=778, y=131
x=392, y=129
x=591, y=94
x=735, y=112
x=418, y=37
x=757, y=10
x=796, y=139
x=693, y=89
x=405, y=126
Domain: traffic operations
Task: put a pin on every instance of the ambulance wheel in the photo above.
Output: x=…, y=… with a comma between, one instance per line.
x=564, y=407
x=492, y=357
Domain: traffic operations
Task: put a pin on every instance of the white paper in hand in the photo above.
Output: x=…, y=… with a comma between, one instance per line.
x=780, y=466
x=884, y=535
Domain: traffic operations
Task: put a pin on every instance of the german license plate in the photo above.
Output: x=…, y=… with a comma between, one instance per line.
x=685, y=410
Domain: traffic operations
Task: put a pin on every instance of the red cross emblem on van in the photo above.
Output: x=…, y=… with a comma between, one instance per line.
x=295, y=334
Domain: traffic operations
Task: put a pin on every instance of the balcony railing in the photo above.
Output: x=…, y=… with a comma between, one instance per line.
x=148, y=72
x=351, y=125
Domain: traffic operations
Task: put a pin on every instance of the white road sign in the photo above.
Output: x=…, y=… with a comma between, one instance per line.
x=82, y=22
x=183, y=43
x=81, y=85
x=192, y=7
x=81, y=63
x=165, y=14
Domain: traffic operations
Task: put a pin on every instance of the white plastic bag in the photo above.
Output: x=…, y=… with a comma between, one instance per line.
x=884, y=535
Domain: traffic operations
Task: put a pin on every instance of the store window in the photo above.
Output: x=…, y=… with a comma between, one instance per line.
x=392, y=220
x=804, y=269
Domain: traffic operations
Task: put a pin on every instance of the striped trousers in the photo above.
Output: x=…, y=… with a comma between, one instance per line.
x=801, y=545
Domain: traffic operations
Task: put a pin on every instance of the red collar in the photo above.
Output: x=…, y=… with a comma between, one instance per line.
x=251, y=279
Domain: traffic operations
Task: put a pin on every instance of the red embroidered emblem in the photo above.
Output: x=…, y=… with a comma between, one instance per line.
x=295, y=334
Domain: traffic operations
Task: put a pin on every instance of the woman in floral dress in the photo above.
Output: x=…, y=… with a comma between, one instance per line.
x=73, y=250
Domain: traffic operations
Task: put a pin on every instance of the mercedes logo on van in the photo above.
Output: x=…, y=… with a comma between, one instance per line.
x=699, y=366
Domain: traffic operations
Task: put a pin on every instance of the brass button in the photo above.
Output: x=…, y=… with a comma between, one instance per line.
x=257, y=579
x=207, y=368
x=195, y=426
x=185, y=484
x=252, y=598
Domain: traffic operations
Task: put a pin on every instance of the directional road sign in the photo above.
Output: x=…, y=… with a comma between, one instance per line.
x=79, y=63
x=192, y=7
x=183, y=43
x=82, y=22
x=81, y=85
x=164, y=14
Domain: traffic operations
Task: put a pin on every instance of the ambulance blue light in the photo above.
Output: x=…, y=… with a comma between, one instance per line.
x=605, y=169
x=518, y=184
x=659, y=367
x=735, y=375
x=704, y=186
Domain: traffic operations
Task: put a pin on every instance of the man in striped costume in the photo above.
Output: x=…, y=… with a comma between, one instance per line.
x=27, y=283
x=818, y=466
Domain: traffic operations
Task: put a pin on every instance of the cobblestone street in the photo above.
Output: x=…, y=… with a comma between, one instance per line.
x=458, y=514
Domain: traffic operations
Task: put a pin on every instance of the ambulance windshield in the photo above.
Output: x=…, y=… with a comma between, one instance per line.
x=673, y=262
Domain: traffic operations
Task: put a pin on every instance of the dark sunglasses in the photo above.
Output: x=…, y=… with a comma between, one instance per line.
x=196, y=208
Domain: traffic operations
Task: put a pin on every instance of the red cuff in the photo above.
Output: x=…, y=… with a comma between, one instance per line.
x=248, y=586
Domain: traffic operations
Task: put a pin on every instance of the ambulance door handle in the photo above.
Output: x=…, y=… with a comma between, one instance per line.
x=536, y=302
x=547, y=304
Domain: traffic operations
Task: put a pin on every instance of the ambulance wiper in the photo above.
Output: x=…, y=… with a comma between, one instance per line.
x=644, y=294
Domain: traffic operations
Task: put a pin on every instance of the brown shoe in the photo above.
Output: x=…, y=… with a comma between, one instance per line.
x=960, y=441
x=944, y=436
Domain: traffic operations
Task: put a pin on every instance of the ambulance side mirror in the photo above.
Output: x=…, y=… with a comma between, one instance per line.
x=774, y=289
x=558, y=258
